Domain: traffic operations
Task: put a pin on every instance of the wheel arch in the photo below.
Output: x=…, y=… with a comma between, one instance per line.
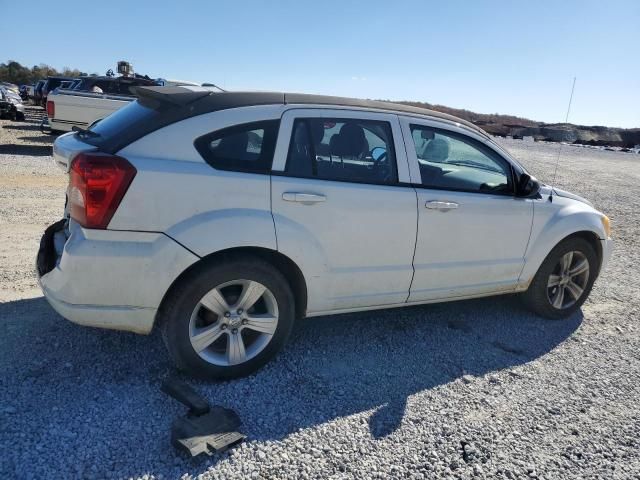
x=531, y=268
x=591, y=238
x=287, y=267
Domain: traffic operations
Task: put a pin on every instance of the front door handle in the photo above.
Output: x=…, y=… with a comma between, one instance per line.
x=441, y=206
x=304, y=198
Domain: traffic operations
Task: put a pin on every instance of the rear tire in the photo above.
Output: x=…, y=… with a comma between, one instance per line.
x=224, y=286
x=564, y=280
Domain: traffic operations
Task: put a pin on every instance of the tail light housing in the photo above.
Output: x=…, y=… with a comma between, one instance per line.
x=97, y=184
x=51, y=109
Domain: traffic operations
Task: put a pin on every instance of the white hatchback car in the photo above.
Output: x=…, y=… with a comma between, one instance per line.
x=223, y=217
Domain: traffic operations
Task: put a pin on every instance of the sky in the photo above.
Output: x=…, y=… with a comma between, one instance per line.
x=506, y=57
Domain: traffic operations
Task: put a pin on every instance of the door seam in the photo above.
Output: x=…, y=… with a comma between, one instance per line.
x=415, y=247
x=415, y=244
x=275, y=230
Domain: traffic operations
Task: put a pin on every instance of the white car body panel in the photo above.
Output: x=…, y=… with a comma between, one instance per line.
x=81, y=109
x=114, y=279
x=66, y=147
x=222, y=209
x=555, y=220
x=355, y=249
x=475, y=248
x=374, y=266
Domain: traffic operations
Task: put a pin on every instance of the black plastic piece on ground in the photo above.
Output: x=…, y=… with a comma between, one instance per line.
x=204, y=429
x=186, y=395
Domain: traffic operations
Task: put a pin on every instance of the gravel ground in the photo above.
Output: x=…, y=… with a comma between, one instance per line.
x=458, y=390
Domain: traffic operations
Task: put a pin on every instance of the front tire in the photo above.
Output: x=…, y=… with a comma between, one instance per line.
x=564, y=280
x=228, y=319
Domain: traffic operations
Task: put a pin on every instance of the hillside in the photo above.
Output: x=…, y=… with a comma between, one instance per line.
x=503, y=125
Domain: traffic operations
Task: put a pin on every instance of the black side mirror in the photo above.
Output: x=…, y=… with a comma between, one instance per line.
x=527, y=186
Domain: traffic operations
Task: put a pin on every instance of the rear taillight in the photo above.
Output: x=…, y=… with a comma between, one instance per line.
x=97, y=184
x=51, y=109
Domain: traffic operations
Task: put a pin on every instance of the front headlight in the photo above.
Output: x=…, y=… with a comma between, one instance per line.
x=606, y=224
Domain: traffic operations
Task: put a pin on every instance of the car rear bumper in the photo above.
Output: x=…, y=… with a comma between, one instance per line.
x=108, y=279
x=58, y=126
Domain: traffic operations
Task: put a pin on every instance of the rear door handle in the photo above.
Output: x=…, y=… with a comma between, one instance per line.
x=304, y=198
x=441, y=206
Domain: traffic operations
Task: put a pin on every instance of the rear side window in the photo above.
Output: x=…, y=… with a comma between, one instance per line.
x=242, y=148
x=349, y=150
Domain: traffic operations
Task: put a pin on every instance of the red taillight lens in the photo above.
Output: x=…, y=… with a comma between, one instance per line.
x=97, y=184
x=51, y=109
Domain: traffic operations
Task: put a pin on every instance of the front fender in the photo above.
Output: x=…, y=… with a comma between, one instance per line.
x=554, y=221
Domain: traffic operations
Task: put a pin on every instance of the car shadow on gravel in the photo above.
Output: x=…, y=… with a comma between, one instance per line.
x=22, y=126
x=47, y=139
x=94, y=394
x=32, y=150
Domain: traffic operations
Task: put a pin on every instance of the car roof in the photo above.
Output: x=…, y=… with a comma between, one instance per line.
x=203, y=100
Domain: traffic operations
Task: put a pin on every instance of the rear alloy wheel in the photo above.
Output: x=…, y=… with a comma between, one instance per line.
x=227, y=319
x=564, y=280
x=233, y=322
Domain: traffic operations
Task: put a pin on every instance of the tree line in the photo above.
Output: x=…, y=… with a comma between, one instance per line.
x=14, y=72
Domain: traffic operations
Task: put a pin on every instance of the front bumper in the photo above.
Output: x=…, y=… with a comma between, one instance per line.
x=106, y=278
x=607, y=249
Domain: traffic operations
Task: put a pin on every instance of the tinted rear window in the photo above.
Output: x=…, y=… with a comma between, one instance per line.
x=121, y=123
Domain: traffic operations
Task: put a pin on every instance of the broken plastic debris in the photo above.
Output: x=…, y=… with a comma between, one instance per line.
x=203, y=429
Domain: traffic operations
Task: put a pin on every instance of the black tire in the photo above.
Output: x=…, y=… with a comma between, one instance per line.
x=176, y=312
x=536, y=298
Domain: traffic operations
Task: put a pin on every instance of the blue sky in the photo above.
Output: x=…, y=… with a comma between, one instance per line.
x=487, y=56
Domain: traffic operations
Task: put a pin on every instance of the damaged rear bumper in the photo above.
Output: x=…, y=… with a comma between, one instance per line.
x=105, y=278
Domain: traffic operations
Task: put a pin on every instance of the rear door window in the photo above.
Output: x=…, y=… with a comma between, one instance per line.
x=351, y=150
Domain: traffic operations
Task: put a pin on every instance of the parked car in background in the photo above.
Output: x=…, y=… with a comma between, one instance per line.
x=37, y=92
x=11, y=87
x=11, y=105
x=24, y=95
x=222, y=218
x=50, y=85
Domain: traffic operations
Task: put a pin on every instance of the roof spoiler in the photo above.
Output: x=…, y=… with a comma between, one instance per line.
x=176, y=96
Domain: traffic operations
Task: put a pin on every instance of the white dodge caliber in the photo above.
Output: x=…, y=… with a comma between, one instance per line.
x=224, y=217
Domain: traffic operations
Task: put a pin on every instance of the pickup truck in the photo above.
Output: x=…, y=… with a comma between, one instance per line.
x=93, y=99
x=68, y=108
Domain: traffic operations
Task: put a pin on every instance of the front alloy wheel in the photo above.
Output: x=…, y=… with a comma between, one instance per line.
x=568, y=281
x=564, y=280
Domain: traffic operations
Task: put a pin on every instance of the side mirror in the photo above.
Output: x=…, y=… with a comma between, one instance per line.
x=528, y=186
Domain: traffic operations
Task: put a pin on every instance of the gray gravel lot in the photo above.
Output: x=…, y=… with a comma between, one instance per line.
x=458, y=390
